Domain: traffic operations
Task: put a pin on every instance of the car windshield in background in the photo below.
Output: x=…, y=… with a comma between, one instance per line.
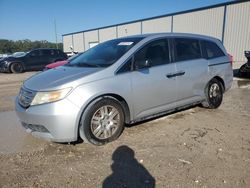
x=104, y=54
x=19, y=54
x=74, y=56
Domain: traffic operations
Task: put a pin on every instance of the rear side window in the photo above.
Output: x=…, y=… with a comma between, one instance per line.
x=187, y=49
x=212, y=50
x=35, y=53
x=47, y=52
x=157, y=52
x=58, y=52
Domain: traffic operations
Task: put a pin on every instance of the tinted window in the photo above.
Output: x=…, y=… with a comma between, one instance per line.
x=58, y=52
x=187, y=49
x=53, y=52
x=104, y=54
x=34, y=53
x=212, y=50
x=126, y=67
x=46, y=52
x=157, y=53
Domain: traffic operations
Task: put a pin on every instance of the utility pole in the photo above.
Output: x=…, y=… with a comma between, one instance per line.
x=55, y=33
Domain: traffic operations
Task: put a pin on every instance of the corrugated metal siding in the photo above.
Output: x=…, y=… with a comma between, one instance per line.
x=67, y=42
x=78, y=42
x=90, y=36
x=157, y=25
x=129, y=29
x=107, y=34
x=237, y=30
x=206, y=22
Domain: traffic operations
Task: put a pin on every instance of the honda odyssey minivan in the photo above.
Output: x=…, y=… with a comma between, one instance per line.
x=123, y=81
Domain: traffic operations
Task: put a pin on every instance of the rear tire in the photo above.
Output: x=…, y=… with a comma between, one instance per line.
x=103, y=121
x=214, y=94
x=16, y=68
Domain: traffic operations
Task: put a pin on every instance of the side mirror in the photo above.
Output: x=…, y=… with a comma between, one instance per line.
x=143, y=64
x=147, y=63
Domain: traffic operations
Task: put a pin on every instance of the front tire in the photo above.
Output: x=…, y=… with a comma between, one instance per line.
x=103, y=121
x=214, y=94
x=16, y=68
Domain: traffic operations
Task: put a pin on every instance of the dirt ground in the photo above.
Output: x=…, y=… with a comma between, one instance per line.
x=196, y=147
x=9, y=88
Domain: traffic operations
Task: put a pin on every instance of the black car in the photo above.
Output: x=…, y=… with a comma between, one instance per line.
x=35, y=59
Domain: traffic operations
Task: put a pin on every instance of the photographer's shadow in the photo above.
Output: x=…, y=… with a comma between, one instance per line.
x=127, y=171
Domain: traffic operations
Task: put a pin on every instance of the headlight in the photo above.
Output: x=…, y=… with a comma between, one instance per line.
x=49, y=96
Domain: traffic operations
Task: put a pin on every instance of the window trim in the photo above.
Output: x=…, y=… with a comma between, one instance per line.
x=124, y=64
x=203, y=49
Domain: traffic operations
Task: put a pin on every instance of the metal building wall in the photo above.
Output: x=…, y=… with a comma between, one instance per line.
x=157, y=25
x=78, y=42
x=232, y=20
x=237, y=30
x=129, y=29
x=206, y=22
x=90, y=36
x=107, y=34
x=67, y=43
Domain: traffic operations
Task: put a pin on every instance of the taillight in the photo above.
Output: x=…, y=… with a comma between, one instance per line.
x=231, y=59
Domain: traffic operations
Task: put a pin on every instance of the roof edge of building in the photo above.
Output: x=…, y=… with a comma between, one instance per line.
x=161, y=16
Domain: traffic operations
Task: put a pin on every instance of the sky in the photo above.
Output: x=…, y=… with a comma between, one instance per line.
x=34, y=19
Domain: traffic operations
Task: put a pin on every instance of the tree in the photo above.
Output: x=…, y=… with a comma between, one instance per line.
x=10, y=46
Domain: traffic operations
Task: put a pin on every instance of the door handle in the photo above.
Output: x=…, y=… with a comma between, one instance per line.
x=180, y=73
x=171, y=75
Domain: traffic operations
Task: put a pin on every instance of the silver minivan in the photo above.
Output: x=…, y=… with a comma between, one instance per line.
x=123, y=81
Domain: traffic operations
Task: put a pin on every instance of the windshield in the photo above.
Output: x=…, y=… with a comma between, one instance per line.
x=18, y=54
x=104, y=54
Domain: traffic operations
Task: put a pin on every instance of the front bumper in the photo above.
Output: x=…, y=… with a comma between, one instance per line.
x=4, y=67
x=57, y=121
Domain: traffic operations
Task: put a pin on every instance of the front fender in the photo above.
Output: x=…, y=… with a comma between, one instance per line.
x=84, y=94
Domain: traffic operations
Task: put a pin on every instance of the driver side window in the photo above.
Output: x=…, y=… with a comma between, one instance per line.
x=155, y=53
x=34, y=53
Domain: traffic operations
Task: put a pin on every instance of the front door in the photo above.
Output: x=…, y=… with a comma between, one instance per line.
x=153, y=90
x=33, y=60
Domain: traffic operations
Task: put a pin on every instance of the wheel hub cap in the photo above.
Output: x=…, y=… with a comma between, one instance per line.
x=105, y=122
x=214, y=91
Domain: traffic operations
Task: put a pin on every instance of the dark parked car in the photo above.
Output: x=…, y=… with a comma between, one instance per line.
x=244, y=70
x=33, y=60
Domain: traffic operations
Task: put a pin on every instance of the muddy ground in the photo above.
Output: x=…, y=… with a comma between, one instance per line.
x=196, y=147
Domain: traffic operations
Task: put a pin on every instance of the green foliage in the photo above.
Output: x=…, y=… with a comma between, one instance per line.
x=10, y=46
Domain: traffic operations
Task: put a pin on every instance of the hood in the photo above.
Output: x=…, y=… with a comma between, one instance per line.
x=56, y=64
x=9, y=58
x=58, y=78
